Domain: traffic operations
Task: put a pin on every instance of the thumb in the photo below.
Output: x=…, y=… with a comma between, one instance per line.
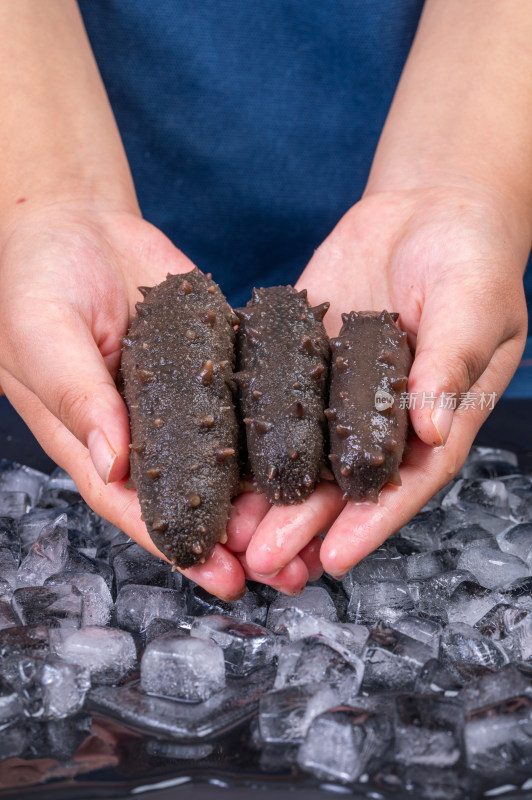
x=59, y=361
x=455, y=343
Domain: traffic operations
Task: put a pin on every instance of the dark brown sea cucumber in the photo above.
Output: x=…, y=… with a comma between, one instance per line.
x=283, y=358
x=177, y=365
x=370, y=364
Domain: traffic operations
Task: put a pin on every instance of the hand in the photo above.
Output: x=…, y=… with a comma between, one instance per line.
x=68, y=284
x=448, y=260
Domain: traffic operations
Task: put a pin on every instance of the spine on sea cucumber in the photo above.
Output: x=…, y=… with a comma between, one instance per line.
x=368, y=426
x=283, y=360
x=177, y=364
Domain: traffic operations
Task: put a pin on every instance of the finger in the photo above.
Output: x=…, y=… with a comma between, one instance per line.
x=310, y=555
x=247, y=511
x=285, y=530
x=292, y=579
x=221, y=574
x=453, y=350
x=362, y=527
x=59, y=362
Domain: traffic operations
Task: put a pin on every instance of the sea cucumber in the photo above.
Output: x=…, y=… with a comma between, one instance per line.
x=370, y=363
x=177, y=364
x=282, y=358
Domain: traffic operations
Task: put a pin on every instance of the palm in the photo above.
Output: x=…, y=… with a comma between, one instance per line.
x=80, y=281
x=436, y=258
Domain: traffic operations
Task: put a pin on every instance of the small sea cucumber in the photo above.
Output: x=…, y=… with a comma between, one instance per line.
x=370, y=364
x=283, y=359
x=177, y=365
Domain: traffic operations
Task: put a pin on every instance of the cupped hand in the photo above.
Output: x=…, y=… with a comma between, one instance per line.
x=450, y=262
x=68, y=285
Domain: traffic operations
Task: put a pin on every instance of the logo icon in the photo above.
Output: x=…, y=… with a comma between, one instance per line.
x=383, y=400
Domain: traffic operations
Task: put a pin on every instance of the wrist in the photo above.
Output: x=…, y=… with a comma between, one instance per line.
x=464, y=190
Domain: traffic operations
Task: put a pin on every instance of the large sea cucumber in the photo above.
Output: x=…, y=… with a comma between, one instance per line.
x=283, y=357
x=177, y=365
x=370, y=363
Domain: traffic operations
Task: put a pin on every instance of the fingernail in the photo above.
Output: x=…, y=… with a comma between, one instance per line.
x=102, y=454
x=269, y=575
x=340, y=576
x=442, y=419
x=292, y=592
x=238, y=596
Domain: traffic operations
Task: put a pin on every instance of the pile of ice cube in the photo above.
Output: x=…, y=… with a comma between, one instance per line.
x=414, y=675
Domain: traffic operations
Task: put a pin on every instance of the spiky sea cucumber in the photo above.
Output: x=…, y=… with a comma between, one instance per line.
x=177, y=364
x=370, y=364
x=283, y=358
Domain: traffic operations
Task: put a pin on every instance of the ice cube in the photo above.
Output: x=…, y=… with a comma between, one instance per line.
x=299, y=624
x=47, y=555
x=285, y=715
x=49, y=687
x=489, y=462
x=431, y=595
x=31, y=640
x=517, y=541
x=318, y=660
x=383, y=600
x=8, y=566
x=182, y=720
x=435, y=679
x=313, y=600
x=462, y=644
x=18, y=478
x=183, y=667
x=494, y=688
x=137, y=606
x=245, y=645
x=511, y=626
x=392, y=660
x=60, y=479
x=518, y=593
x=108, y=654
x=423, y=630
x=499, y=708
x=381, y=565
x=59, y=491
x=341, y=743
x=6, y=592
x=440, y=783
x=160, y=627
x=490, y=496
x=135, y=565
x=9, y=537
x=10, y=704
x=7, y=615
x=429, y=729
x=469, y=535
x=30, y=526
x=470, y=602
x=426, y=565
x=97, y=601
x=424, y=531
x=250, y=607
x=56, y=606
x=492, y=568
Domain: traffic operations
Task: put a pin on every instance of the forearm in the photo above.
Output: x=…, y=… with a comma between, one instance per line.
x=58, y=136
x=463, y=108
